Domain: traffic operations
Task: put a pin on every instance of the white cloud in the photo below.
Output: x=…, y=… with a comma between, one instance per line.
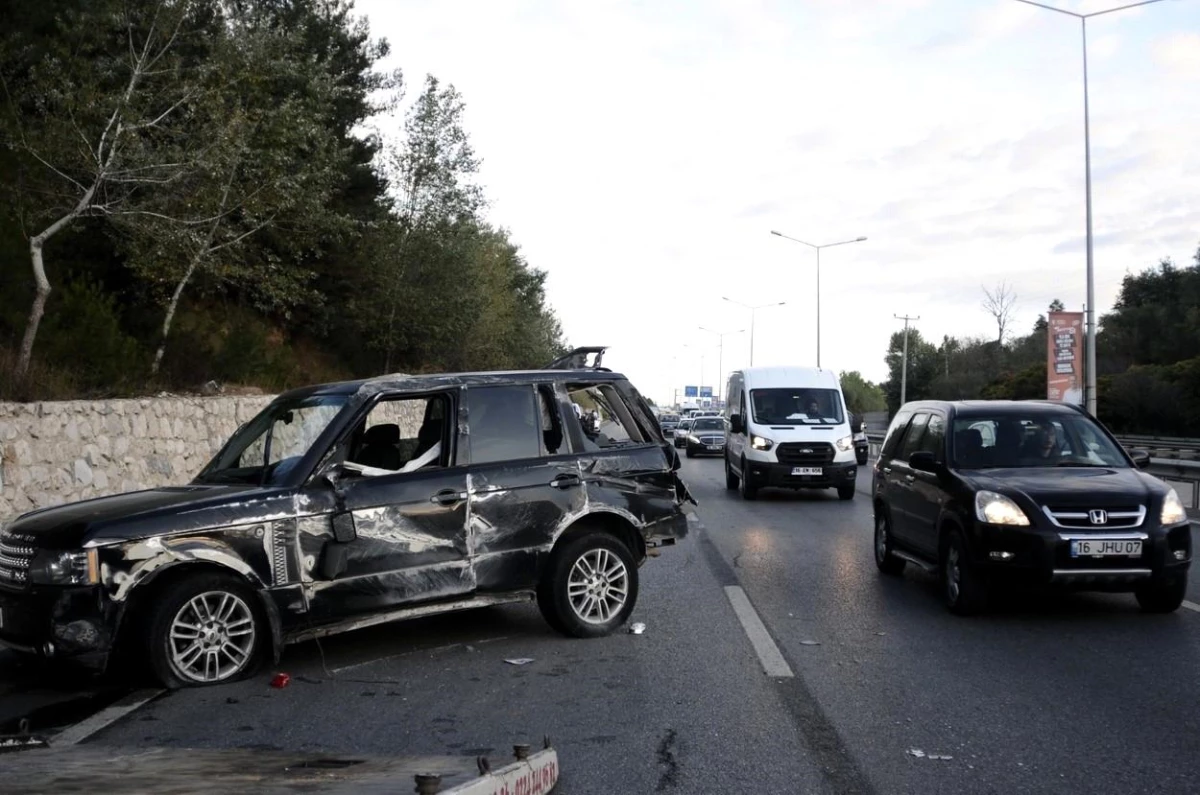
x=642, y=152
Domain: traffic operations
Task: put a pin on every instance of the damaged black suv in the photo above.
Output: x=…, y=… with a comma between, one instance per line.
x=351, y=504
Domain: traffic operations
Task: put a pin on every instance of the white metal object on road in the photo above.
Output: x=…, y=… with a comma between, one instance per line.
x=768, y=653
x=536, y=775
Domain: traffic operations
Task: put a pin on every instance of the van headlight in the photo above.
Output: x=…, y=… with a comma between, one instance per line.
x=65, y=568
x=761, y=443
x=845, y=444
x=1172, y=510
x=994, y=508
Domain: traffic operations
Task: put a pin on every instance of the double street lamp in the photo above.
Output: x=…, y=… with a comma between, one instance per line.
x=753, y=311
x=1090, y=375
x=721, y=335
x=818, y=250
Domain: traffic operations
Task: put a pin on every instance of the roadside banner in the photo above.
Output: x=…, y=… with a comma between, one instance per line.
x=1064, y=358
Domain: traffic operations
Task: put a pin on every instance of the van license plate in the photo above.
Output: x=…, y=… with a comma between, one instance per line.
x=807, y=471
x=1105, y=549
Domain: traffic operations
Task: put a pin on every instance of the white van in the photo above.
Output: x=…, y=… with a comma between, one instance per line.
x=788, y=428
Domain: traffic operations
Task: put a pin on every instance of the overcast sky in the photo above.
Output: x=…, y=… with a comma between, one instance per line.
x=641, y=152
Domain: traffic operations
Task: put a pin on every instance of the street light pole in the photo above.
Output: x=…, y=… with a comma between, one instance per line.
x=818, y=250
x=753, y=310
x=721, y=353
x=1090, y=311
x=904, y=359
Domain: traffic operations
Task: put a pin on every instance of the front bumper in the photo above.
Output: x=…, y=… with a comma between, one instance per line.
x=1039, y=556
x=75, y=623
x=771, y=474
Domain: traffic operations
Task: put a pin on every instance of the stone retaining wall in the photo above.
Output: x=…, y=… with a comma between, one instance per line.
x=56, y=452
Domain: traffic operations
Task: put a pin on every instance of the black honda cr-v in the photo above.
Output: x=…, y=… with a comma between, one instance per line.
x=1034, y=493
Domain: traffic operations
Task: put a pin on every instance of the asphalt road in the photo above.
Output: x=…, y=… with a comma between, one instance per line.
x=1079, y=694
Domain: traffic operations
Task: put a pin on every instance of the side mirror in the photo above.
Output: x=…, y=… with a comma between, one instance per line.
x=923, y=461
x=737, y=423
x=1141, y=458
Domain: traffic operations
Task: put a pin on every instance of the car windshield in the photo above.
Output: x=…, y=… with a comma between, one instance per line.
x=797, y=406
x=265, y=450
x=708, y=424
x=1033, y=440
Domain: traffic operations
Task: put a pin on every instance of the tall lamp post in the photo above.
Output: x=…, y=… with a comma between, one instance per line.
x=1090, y=376
x=721, y=335
x=753, y=311
x=818, y=250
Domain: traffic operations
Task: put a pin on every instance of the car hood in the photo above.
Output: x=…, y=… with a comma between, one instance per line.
x=141, y=514
x=1075, y=487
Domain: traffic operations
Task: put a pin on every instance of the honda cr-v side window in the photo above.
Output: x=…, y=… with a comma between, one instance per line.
x=895, y=432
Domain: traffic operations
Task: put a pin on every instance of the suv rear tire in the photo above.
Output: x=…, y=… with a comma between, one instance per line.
x=965, y=590
x=589, y=587
x=1162, y=594
x=885, y=557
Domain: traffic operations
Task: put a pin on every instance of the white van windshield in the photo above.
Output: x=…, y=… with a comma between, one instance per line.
x=796, y=406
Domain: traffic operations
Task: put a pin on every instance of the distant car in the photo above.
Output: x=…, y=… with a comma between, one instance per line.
x=681, y=432
x=1025, y=493
x=706, y=437
x=862, y=445
x=668, y=423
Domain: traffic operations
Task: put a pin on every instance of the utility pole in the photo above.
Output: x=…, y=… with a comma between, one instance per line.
x=904, y=359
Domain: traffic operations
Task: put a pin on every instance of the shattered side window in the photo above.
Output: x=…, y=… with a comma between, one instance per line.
x=402, y=435
x=605, y=418
x=552, y=429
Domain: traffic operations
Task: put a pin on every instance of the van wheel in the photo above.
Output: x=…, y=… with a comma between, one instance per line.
x=590, y=586
x=749, y=491
x=731, y=480
x=846, y=491
x=207, y=629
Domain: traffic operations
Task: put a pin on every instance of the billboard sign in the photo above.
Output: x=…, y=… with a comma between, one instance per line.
x=1064, y=358
x=690, y=391
x=706, y=391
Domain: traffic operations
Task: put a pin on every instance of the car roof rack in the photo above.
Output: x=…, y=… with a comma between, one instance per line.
x=577, y=359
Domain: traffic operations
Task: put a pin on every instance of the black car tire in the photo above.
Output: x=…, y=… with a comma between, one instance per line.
x=690, y=452
x=861, y=458
x=965, y=590
x=748, y=490
x=731, y=480
x=554, y=600
x=885, y=557
x=846, y=491
x=171, y=606
x=1162, y=594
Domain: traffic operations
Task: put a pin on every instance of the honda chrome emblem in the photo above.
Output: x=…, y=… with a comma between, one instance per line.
x=1098, y=516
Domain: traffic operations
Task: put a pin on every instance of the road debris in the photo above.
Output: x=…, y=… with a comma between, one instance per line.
x=280, y=681
x=810, y=643
x=919, y=754
x=519, y=661
x=637, y=629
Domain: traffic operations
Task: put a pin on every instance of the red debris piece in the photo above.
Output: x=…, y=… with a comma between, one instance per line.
x=280, y=681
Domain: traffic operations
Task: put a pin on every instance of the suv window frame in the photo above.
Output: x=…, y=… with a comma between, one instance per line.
x=895, y=433
x=903, y=454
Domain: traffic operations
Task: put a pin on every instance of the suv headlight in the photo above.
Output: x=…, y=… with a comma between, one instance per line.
x=65, y=568
x=761, y=443
x=1172, y=510
x=845, y=444
x=994, y=508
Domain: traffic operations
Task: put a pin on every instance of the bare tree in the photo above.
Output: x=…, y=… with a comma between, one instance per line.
x=95, y=136
x=1000, y=302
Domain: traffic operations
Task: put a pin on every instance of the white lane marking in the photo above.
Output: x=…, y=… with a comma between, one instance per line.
x=1191, y=606
x=768, y=653
x=76, y=734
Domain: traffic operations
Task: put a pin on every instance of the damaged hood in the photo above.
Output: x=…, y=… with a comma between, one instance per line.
x=141, y=514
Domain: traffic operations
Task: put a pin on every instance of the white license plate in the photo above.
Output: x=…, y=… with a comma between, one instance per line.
x=714, y=447
x=807, y=471
x=1092, y=548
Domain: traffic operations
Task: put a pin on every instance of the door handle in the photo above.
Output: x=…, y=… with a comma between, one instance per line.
x=910, y=478
x=566, y=481
x=447, y=497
